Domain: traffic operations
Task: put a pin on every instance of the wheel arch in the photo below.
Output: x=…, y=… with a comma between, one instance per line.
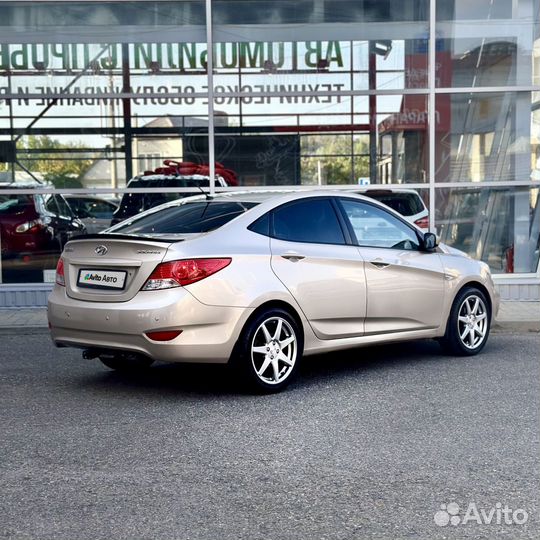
x=281, y=304
x=474, y=284
x=269, y=304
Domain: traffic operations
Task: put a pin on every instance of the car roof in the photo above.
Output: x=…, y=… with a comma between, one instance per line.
x=262, y=195
x=265, y=201
x=255, y=196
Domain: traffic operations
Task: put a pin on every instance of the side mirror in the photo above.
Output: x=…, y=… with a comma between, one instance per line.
x=429, y=241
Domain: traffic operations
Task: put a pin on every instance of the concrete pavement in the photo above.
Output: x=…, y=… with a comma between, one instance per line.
x=367, y=444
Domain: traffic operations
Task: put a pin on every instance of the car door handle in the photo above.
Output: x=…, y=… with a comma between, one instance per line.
x=293, y=256
x=379, y=263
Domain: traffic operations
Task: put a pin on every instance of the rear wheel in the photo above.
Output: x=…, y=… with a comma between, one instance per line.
x=468, y=324
x=269, y=351
x=126, y=363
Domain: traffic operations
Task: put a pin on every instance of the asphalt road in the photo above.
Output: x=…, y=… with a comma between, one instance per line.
x=366, y=444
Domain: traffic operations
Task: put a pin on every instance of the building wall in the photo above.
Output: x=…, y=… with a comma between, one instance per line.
x=442, y=97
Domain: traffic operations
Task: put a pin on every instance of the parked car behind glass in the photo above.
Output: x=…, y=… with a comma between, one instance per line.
x=33, y=232
x=174, y=174
x=96, y=213
x=405, y=201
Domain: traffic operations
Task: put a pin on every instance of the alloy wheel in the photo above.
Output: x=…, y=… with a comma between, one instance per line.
x=472, y=321
x=274, y=350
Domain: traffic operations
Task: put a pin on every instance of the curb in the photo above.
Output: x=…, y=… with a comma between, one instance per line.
x=501, y=327
x=24, y=330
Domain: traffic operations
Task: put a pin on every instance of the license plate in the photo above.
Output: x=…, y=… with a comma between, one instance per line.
x=102, y=279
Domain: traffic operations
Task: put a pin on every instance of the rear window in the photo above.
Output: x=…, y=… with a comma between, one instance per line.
x=13, y=204
x=189, y=218
x=407, y=204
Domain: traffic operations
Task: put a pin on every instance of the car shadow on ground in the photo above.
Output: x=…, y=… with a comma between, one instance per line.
x=218, y=380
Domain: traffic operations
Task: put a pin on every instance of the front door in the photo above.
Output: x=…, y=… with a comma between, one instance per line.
x=405, y=285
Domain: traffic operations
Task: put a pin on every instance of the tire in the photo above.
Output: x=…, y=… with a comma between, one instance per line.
x=262, y=361
x=468, y=324
x=126, y=364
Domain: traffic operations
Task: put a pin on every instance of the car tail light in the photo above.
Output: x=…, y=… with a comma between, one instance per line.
x=30, y=226
x=181, y=273
x=423, y=223
x=163, y=335
x=60, y=272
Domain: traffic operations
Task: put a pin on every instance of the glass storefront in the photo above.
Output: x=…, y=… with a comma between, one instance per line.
x=438, y=97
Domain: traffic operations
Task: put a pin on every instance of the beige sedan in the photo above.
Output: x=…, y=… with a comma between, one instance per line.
x=260, y=280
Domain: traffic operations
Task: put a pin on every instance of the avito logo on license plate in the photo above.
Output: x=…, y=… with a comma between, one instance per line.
x=102, y=279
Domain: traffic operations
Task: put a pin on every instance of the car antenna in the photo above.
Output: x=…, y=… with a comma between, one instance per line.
x=206, y=194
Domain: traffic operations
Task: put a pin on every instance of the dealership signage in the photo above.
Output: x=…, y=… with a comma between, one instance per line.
x=157, y=70
x=291, y=62
x=180, y=95
x=75, y=57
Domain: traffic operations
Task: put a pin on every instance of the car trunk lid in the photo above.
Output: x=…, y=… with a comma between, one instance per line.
x=111, y=267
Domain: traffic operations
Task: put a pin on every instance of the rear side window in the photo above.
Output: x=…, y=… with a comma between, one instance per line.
x=308, y=220
x=196, y=217
x=262, y=225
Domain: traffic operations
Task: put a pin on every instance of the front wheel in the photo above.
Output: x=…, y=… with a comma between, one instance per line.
x=269, y=351
x=468, y=324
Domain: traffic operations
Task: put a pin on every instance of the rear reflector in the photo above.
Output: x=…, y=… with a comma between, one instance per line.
x=164, y=335
x=60, y=279
x=181, y=273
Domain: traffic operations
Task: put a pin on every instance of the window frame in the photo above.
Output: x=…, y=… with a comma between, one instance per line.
x=397, y=216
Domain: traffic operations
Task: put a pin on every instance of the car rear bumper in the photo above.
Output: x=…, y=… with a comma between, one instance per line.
x=209, y=333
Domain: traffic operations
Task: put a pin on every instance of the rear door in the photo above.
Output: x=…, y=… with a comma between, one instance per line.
x=405, y=285
x=321, y=270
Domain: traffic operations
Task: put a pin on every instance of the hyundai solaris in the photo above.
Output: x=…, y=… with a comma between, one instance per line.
x=260, y=280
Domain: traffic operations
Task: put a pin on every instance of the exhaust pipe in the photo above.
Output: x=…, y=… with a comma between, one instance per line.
x=118, y=360
x=109, y=354
x=90, y=354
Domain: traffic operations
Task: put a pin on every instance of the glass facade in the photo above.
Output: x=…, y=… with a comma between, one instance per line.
x=439, y=97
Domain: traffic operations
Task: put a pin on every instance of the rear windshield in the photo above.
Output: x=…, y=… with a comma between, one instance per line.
x=13, y=204
x=407, y=204
x=189, y=218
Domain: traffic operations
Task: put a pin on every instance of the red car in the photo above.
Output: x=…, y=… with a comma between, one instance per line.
x=33, y=231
